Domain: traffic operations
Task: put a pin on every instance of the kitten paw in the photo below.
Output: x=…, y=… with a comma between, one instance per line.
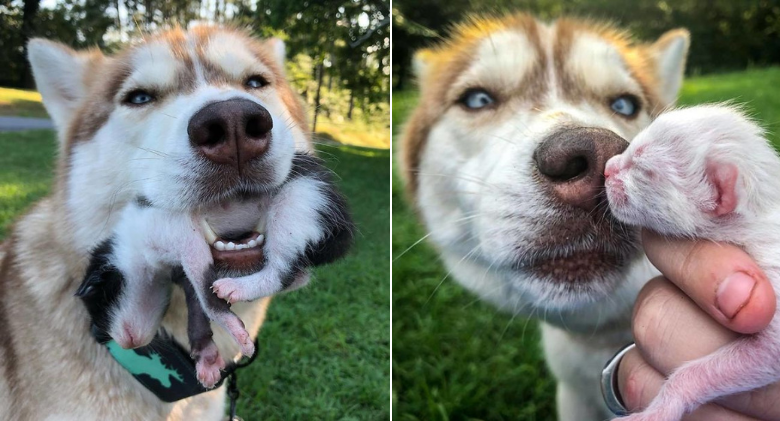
x=648, y=416
x=235, y=327
x=209, y=365
x=230, y=290
x=209, y=371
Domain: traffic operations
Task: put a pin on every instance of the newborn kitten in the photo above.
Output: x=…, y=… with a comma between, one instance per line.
x=303, y=223
x=706, y=172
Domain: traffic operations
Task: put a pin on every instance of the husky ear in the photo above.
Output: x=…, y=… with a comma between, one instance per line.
x=278, y=49
x=59, y=77
x=420, y=62
x=669, y=54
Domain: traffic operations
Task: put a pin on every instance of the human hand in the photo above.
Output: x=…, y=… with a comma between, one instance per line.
x=708, y=296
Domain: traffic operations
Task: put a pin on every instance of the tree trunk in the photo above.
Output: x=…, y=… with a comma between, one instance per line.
x=351, y=104
x=400, y=76
x=118, y=19
x=320, y=69
x=28, y=30
x=148, y=13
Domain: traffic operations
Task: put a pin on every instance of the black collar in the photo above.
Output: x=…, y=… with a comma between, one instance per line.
x=165, y=368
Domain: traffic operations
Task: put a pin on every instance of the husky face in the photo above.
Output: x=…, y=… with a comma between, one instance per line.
x=186, y=120
x=504, y=156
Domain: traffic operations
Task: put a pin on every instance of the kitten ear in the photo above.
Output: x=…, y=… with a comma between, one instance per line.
x=724, y=178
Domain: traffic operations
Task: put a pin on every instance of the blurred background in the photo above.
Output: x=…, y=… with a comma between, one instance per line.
x=324, y=350
x=726, y=34
x=457, y=358
x=338, y=50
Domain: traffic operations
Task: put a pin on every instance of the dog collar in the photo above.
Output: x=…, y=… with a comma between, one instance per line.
x=163, y=366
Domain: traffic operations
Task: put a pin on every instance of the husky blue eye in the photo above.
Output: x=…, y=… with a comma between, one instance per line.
x=139, y=97
x=626, y=105
x=255, y=82
x=476, y=99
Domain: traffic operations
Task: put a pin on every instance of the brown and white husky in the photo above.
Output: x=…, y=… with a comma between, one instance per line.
x=504, y=158
x=124, y=128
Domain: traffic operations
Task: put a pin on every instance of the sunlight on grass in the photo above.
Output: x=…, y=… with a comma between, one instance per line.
x=355, y=133
x=21, y=103
x=8, y=95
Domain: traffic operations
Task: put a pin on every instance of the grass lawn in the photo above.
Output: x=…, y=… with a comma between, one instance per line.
x=324, y=351
x=455, y=358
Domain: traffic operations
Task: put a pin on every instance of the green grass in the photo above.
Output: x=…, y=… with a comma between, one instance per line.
x=455, y=358
x=26, y=167
x=324, y=351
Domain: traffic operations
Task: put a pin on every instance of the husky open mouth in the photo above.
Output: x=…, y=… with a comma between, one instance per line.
x=236, y=233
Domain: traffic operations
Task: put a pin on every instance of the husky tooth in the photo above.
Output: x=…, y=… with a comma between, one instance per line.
x=208, y=233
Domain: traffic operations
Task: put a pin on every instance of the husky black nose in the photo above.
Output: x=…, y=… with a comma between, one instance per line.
x=571, y=161
x=231, y=132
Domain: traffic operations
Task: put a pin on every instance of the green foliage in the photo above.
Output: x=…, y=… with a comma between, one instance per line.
x=348, y=39
x=456, y=358
x=324, y=350
x=726, y=34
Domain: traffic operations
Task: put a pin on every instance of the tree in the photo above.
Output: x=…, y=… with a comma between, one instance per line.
x=29, y=11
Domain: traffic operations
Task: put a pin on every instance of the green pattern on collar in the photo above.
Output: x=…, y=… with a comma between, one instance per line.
x=151, y=365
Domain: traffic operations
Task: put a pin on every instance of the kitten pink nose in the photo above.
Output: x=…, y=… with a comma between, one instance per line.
x=613, y=166
x=571, y=163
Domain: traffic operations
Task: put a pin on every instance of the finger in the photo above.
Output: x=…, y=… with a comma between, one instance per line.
x=721, y=278
x=639, y=383
x=665, y=320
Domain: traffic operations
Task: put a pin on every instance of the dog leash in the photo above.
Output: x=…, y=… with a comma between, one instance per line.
x=232, y=382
